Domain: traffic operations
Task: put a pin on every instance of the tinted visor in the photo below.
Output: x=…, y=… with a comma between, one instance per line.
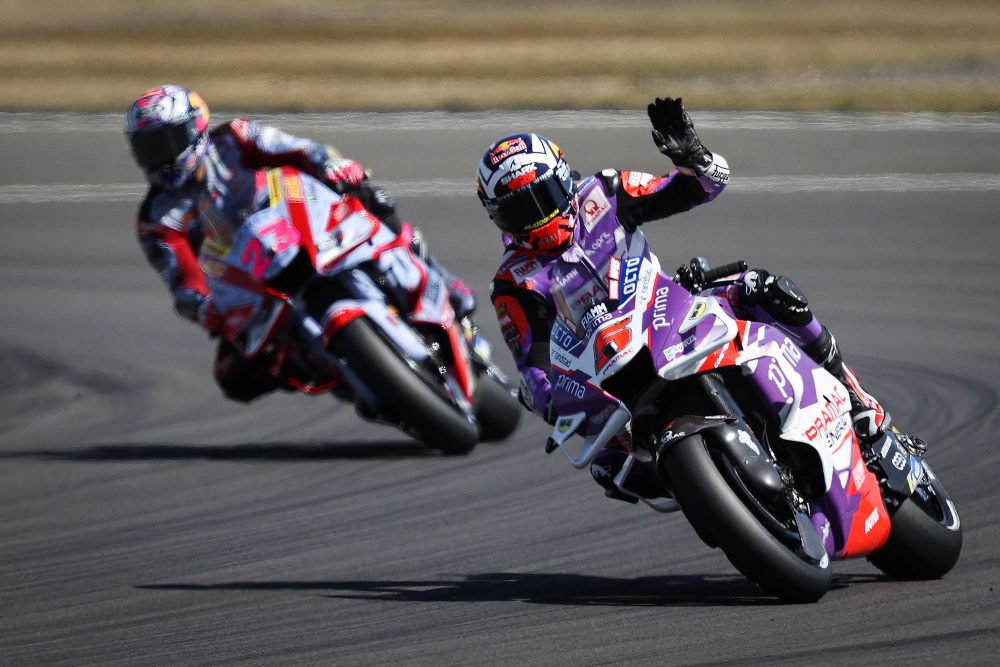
x=161, y=146
x=532, y=206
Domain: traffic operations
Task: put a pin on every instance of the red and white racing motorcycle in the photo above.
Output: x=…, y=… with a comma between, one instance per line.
x=321, y=285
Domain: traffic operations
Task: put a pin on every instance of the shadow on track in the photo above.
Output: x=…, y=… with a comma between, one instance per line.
x=249, y=452
x=557, y=589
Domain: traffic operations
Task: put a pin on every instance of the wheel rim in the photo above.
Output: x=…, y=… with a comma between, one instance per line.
x=784, y=529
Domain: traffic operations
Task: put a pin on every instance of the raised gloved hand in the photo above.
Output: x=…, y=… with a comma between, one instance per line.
x=674, y=135
x=343, y=174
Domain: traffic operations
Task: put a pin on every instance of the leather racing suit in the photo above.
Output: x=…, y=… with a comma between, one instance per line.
x=526, y=303
x=173, y=224
x=522, y=288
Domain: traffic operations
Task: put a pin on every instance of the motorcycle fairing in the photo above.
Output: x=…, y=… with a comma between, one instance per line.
x=814, y=410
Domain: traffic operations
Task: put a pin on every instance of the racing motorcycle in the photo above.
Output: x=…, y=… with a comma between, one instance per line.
x=341, y=303
x=750, y=438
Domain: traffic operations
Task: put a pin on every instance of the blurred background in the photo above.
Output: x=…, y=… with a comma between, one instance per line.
x=315, y=55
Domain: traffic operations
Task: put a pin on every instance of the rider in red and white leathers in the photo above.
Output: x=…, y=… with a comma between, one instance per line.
x=203, y=184
x=529, y=193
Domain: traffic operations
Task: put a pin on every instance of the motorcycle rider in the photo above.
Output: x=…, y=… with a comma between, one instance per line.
x=204, y=183
x=528, y=191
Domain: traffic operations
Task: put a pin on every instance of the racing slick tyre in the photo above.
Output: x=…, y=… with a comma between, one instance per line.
x=722, y=519
x=926, y=536
x=498, y=412
x=402, y=391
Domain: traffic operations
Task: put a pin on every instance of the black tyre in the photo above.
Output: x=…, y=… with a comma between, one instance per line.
x=722, y=519
x=926, y=536
x=498, y=412
x=401, y=391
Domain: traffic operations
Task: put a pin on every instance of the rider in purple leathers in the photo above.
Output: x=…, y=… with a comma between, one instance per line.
x=529, y=192
x=204, y=183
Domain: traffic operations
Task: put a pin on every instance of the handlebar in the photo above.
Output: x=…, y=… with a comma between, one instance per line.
x=730, y=269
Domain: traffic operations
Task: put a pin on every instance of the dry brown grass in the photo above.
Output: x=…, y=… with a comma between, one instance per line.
x=418, y=54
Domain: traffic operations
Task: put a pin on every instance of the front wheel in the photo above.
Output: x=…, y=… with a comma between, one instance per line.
x=497, y=411
x=926, y=535
x=401, y=391
x=724, y=520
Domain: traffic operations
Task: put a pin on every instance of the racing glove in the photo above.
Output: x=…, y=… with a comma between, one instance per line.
x=674, y=135
x=199, y=308
x=343, y=174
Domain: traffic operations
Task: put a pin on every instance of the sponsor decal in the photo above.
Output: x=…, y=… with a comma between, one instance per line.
x=523, y=270
x=613, y=339
x=697, y=311
x=600, y=241
x=541, y=223
x=563, y=424
x=561, y=358
x=590, y=317
x=671, y=352
x=564, y=279
x=505, y=149
x=572, y=387
x=858, y=473
x=631, y=277
x=791, y=352
x=777, y=377
x=614, y=273
x=669, y=435
x=293, y=189
x=885, y=448
x=828, y=416
x=660, y=309
x=594, y=207
x=519, y=177
x=562, y=336
x=871, y=520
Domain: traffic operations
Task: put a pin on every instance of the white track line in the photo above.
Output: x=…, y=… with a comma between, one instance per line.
x=953, y=182
x=504, y=120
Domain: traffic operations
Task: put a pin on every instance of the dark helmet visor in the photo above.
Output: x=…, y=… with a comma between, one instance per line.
x=523, y=210
x=161, y=146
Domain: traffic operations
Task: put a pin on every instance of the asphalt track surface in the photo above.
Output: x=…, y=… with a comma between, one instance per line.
x=145, y=520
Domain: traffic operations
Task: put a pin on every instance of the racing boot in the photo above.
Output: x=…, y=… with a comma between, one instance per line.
x=871, y=420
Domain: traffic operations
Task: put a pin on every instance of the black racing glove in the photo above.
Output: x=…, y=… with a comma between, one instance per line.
x=674, y=135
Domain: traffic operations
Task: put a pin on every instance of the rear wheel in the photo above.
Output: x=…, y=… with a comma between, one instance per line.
x=401, y=391
x=720, y=513
x=497, y=411
x=926, y=536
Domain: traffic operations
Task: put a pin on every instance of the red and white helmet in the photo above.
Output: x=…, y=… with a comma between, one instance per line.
x=528, y=191
x=167, y=130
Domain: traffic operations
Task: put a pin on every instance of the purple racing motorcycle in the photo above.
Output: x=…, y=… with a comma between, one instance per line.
x=751, y=438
